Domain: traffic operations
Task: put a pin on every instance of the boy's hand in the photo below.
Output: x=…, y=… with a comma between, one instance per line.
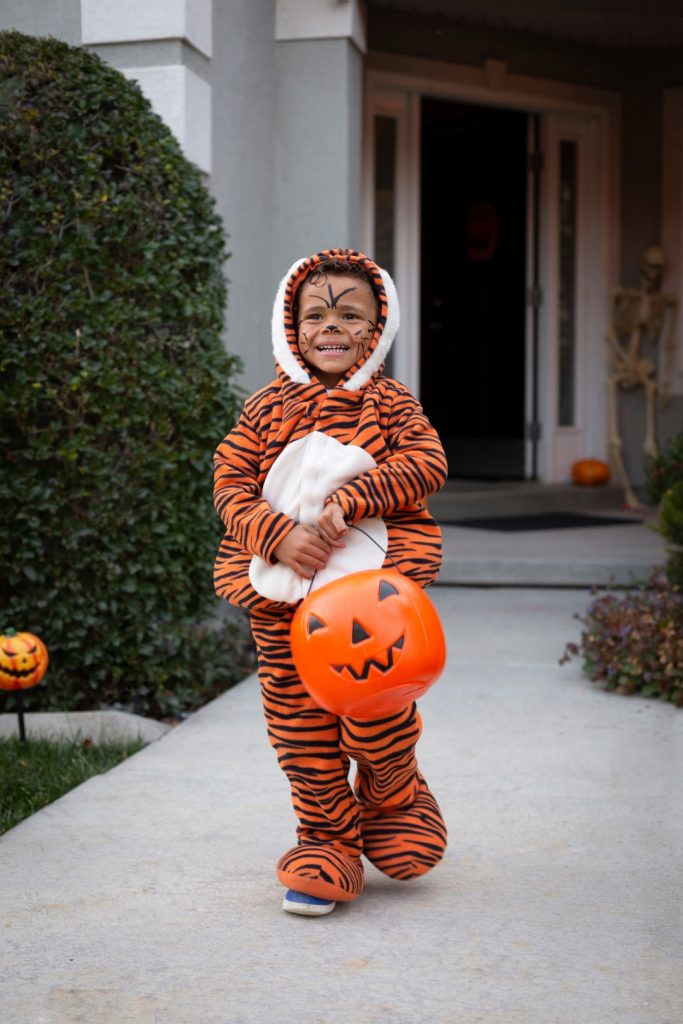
x=332, y=525
x=303, y=550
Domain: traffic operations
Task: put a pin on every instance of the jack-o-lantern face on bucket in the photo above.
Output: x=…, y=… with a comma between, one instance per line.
x=23, y=661
x=367, y=644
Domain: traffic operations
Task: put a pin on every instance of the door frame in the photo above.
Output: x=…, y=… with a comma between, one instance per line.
x=394, y=86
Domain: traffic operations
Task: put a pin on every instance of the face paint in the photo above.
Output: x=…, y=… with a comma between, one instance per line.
x=336, y=324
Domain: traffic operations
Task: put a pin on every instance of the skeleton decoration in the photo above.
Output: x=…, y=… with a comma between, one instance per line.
x=639, y=316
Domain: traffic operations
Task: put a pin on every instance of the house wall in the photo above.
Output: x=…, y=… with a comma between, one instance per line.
x=287, y=117
x=287, y=158
x=318, y=148
x=243, y=81
x=58, y=18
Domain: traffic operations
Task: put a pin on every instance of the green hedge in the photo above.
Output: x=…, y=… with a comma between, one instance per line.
x=115, y=387
x=664, y=470
x=665, y=491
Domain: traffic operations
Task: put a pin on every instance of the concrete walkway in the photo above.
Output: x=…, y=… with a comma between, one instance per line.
x=148, y=896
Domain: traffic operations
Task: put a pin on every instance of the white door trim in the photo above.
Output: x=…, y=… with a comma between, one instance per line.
x=404, y=107
x=586, y=436
x=394, y=86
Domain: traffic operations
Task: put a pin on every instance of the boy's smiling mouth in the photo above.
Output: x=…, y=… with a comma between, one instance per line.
x=336, y=347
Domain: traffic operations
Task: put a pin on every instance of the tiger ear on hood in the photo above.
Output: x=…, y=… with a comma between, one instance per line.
x=284, y=332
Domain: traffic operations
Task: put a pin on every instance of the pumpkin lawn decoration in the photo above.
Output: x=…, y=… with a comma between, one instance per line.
x=367, y=644
x=590, y=473
x=23, y=663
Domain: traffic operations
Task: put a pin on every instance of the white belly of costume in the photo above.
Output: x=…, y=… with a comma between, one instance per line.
x=301, y=478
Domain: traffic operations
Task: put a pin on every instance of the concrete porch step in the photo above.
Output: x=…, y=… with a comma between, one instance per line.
x=467, y=499
x=585, y=556
x=589, y=556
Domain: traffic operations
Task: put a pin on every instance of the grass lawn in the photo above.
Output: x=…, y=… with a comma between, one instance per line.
x=34, y=774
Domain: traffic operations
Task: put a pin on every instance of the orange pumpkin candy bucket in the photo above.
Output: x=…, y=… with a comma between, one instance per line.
x=367, y=644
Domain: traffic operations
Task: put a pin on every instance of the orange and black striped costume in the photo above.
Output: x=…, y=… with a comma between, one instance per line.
x=366, y=445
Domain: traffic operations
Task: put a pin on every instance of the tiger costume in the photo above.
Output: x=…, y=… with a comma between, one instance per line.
x=365, y=445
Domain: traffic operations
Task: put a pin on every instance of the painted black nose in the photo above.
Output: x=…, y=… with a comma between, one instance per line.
x=332, y=328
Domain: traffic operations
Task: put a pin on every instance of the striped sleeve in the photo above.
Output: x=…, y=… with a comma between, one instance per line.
x=248, y=518
x=416, y=468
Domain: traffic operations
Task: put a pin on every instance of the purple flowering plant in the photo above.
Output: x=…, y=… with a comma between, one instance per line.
x=634, y=643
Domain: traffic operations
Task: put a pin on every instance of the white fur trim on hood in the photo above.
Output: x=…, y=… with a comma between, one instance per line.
x=281, y=350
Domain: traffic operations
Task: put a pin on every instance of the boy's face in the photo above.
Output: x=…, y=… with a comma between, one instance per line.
x=337, y=317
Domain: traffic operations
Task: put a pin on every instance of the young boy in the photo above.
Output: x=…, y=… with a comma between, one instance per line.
x=332, y=444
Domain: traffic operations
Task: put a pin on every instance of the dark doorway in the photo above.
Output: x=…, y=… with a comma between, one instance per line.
x=473, y=251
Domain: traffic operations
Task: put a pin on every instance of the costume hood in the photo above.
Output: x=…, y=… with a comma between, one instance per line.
x=285, y=347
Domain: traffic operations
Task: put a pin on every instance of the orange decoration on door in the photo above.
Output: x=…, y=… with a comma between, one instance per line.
x=481, y=231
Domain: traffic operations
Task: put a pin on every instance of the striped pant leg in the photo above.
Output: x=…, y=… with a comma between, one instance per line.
x=326, y=861
x=402, y=828
x=384, y=750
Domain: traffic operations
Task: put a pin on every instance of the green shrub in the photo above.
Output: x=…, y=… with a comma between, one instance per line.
x=665, y=490
x=115, y=388
x=664, y=470
x=634, y=644
x=670, y=525
x=671, y=514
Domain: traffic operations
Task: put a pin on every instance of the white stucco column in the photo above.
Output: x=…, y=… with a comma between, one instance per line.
x=127, y=32
x=318, y=126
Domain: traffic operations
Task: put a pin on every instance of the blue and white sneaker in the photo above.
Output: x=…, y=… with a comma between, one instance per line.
x=301, y=903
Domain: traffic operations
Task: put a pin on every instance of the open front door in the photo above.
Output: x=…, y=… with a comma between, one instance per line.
x=473, y=258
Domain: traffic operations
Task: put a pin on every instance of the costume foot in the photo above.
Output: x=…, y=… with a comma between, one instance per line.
x=310, y=906
x=405, y=842
x=320, y=870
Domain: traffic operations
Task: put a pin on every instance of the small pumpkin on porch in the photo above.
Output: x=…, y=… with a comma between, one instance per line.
x=590, y=473
x=23, y=661
x=367, y=644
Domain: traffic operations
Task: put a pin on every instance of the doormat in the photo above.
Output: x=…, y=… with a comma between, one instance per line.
x=539, y=521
